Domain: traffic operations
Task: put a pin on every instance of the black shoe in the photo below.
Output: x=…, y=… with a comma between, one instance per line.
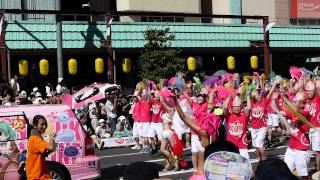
x=154, y=151
x=267, y=145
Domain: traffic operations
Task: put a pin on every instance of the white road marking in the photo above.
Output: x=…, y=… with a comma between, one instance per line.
x=169, y=173
x=155, y=160
x=279, y=147
x=118, y=155
x=129, y=154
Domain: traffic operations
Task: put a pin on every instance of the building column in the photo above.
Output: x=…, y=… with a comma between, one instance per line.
x=206, y=8
x=3, y=50
x=59, y=40
x=108, y=45
x=266, y=48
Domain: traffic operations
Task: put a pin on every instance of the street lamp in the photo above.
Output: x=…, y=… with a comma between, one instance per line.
x=265, y=44
x=269, y=26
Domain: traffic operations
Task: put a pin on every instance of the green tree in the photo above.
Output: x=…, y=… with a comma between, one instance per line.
x=158, y=60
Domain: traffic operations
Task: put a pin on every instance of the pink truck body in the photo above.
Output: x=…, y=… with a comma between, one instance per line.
x=75, y=149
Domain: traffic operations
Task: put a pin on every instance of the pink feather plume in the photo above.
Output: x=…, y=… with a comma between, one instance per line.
x=295, y=72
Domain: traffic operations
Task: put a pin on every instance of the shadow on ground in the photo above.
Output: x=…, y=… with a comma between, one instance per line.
x=117, y=171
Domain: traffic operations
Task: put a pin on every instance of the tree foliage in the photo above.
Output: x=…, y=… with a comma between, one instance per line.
x=158, y=60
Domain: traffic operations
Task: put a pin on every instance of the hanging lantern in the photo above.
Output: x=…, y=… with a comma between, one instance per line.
x=192, y=64
x=254, y=62
x=99, y=66
x=44, y=67
x=126, y=65
x=231, y=63
x=23, y=67
x=72, y=67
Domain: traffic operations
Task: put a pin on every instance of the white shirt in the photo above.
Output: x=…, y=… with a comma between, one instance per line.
x=109, y=107
x=59, y=89
x=132, y=107
x=48, y=91
x=14, y=85
x=177, y=124
x=102, y=132
x=93, y=112
x=85, y=127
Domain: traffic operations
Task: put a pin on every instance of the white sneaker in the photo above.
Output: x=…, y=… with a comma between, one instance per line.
x=188, y=147
x=135, y=147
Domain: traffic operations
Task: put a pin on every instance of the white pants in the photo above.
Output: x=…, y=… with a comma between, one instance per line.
x=258, y=136
x=94, y=123
x=196, y=144
x=314, y=136
x=244, y=153
x=273, y=120
x=297, y=160
x=167, y=134
x=135, y=129
x=155, y=129
x=140, y=129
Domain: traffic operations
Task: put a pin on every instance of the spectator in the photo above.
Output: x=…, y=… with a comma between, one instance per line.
x=141, y=170
x=121, y=132
x=123, y=120
x=38, y=149
x=35, y=90
x=83, y=121
x=103, y=130
x=135, y=108
x=9, y=98
x=274, y=169
x=37, y=99
x=131, y=106
x=121, y=107
x=24, y=98
x=220, y=145
x=48, y=90
x=110, y=111
x=93, y=114
x=316, y=176
x=61, y=87
x=14, y=84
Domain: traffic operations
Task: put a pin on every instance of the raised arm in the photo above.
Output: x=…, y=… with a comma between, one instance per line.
x=272, y=89
x=210, y=100
x=189, y=121
x=189, y=99
x=51, y=145
x=226, y=105
x=282, y=118
x=248, y=108
x=165, y=105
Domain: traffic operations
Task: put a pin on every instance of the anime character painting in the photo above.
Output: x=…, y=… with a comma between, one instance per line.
x=8, y=148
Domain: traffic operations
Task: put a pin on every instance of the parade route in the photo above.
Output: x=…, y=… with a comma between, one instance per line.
x=112, y=165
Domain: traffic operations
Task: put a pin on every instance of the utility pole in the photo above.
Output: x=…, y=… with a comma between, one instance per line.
x=59, y=40
x=111, y=54
x=266, y=48
x=3, y=50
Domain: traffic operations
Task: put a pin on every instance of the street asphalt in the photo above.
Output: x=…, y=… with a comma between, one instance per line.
x=114, y=161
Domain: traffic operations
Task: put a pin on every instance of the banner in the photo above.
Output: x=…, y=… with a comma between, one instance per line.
x=118, y=142
x=305, y=8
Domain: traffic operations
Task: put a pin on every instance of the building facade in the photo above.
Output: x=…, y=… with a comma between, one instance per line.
x=32, y=36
